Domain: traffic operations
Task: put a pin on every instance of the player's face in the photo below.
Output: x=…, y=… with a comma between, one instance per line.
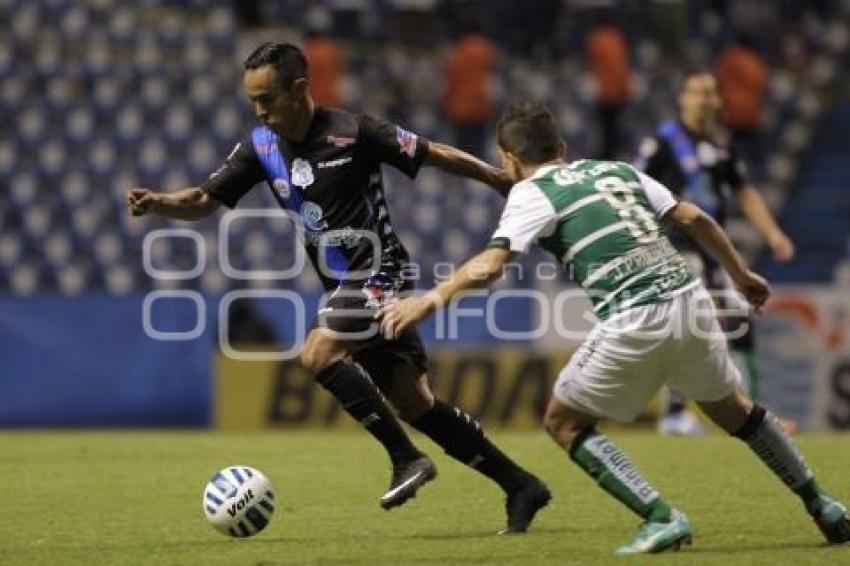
x=275, y=105
x=700, y=98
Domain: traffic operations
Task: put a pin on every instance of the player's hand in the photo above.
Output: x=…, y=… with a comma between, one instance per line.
x=141, y=201
x=395, y=318
x=783, y=247
x=754, y=287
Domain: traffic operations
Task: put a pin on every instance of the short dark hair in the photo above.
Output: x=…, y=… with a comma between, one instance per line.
x=287, y=59
x=529, y=131
x=690, y=73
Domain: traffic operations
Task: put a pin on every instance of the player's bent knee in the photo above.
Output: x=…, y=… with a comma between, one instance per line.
x=730, y=412
x=319, y=353
x=559, y=428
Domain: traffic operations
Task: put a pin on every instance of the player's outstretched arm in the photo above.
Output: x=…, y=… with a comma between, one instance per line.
x=458, y=162
x=479, y=272
x=759, y=215
x=707, y=233
x=186, y=204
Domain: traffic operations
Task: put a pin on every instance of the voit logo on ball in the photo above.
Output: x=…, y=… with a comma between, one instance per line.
x=239, y=501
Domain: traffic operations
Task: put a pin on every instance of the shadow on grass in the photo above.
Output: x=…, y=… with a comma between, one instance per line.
x=453, y=535
x=760, y=547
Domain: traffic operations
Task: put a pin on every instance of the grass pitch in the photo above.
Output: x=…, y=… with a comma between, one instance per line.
x=135, y=498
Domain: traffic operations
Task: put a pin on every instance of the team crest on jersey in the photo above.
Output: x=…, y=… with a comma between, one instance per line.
x=406, y=141
x=312, y=214
x=302, y=173
x=281, y=186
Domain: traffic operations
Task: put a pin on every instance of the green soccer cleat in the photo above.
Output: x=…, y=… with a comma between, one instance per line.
x=832, y=520
x=657, y=537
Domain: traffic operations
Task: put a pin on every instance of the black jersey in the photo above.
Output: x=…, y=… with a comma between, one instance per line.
x=336, y=171
x=714, y=167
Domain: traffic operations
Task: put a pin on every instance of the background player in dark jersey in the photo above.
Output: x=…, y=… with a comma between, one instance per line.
x=324, y=165
x=693, y=157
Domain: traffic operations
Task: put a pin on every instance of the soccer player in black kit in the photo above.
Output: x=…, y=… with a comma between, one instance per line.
x=694, y=158
x=324, y=165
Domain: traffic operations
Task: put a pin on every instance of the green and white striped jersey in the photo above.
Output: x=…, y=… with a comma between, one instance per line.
x=602, y=219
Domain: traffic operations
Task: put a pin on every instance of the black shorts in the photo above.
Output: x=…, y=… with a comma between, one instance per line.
x=350, y=310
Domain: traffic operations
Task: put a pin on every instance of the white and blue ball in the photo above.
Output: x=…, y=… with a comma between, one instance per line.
x=239, y=501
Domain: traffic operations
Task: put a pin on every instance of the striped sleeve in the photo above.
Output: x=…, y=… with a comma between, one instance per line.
x=528, y=214
x=660, y=198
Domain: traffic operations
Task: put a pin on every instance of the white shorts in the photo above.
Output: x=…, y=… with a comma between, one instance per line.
x=626, y=359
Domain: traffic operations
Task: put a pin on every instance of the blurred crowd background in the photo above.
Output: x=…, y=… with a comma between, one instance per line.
x=103, y=95
x=98, y=96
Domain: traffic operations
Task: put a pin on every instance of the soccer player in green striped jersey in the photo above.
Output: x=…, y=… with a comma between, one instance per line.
x=657, y=323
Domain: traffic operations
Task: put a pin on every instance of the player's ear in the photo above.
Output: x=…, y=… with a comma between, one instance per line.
x=562, y=150
x=300, y=88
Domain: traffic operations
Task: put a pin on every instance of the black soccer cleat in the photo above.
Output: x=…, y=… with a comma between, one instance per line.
x=523, y=504
x=407, y=478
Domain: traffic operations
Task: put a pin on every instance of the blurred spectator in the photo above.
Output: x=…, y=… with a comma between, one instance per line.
x=742, y=78
x=608, y=55
x=467, y=98
x=326, y=68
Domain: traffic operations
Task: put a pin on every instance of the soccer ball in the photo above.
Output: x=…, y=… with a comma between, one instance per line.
x=239, y=501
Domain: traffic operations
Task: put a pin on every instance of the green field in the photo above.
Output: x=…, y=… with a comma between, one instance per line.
x=135, y=498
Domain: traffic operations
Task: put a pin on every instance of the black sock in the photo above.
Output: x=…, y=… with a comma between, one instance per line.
x=462, y=438
x=361, y=399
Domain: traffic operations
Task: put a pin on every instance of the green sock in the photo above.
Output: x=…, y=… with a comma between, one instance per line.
x=769, y=441
x=612, y=470
x=810, y=493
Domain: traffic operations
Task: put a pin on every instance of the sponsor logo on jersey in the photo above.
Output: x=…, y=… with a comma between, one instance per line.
x=312, y=214
x=340, y=141
x=335, y=162
x=347, y=237
x=406, y=141
x=302, y=173
x=281, y=187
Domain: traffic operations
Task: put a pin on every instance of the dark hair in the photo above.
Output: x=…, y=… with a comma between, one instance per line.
x=530, y=132
x=287, y=59
x=690, y=73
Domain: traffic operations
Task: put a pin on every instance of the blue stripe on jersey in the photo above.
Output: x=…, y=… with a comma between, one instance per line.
x=276, y=167
x=697, y=189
